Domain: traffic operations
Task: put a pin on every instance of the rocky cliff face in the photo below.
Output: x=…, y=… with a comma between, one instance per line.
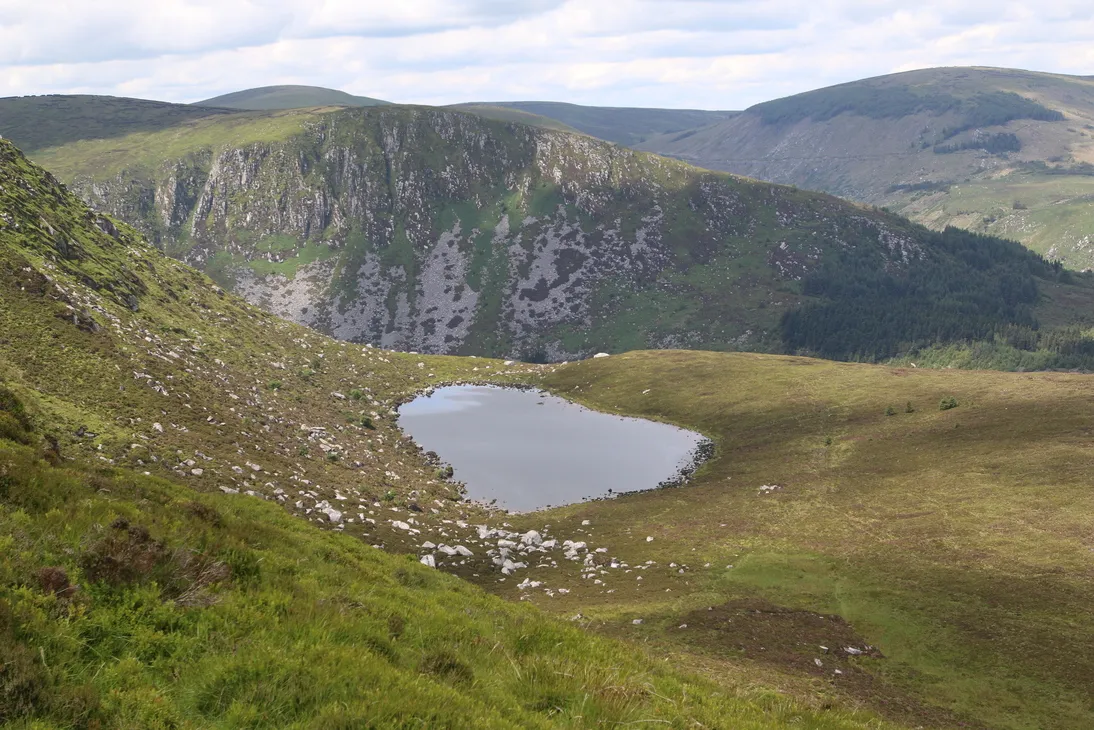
x=437, y=231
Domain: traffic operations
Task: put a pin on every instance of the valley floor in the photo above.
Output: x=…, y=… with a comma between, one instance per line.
x=850, y=539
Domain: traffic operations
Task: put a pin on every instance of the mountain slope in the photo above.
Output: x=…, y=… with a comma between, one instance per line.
x=998, y=151
x=267, y=98
x=130, y=385
x=437, y=231
x=38, y=122
x=507, y=114
x=622, y=125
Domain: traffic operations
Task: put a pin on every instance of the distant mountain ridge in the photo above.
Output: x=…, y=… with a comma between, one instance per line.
x=999, y=151
x=40, y=122
x=267, y=98
x=627, y=126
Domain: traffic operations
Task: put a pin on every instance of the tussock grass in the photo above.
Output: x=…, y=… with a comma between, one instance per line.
x=957, y=541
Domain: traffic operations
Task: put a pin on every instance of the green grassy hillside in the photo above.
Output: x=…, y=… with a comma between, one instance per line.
x=268, y=98
x=998, y=151
x=622, y=125
x=130, y=602
x=169, y=456
x=866, y=539
x=38, y=122
x=507, y=114
x=846, y=508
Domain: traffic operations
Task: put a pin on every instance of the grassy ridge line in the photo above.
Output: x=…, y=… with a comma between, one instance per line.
x=268, y=98
x=621, y=125
x=38, y=122
x=508, y=114
x=145, y=151
x=956, y=541
x=874, y=140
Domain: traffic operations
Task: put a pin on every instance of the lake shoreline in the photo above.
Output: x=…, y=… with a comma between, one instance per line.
x=510, y=458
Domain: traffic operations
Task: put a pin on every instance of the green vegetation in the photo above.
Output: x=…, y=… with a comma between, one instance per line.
x=505, y=114
x=1053, y=215
x=621, y=125
x=127, y=601
x=157, y=569
x=146, y=151
x=969, y=287
x=270, y=98
x=37, y=122
x=777, y=275
x=999, y=143
x=984, y=109
x=955, y=542
x=948, y=547
x=876, y=141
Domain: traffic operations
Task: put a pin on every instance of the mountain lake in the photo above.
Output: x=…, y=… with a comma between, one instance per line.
x=528, y=449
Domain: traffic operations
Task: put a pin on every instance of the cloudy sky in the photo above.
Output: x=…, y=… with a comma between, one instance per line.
x=712, y=54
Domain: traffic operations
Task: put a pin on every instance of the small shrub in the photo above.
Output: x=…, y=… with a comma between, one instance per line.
x=367, y=422
x=333, y=456
x=302, y=450
x=356, y=394
x=445, y=664
x=13, y=406
x=244, y=565
x=890, y=411
x=274, y=385
x=827, y=440
x=389, y=496
x=947, y=403
x=12, y=430
x=908, y=408
x=54, y=581
x=23, y=681
x=128, y=556
x=203, y=512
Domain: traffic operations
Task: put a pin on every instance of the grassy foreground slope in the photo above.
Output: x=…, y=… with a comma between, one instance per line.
x=149, y=426
x=130, y=602
x=958, y=542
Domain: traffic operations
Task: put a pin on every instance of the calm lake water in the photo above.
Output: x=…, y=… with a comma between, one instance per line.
x=529, y=450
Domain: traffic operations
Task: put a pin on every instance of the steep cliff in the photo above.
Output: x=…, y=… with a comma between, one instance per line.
x=437, y=231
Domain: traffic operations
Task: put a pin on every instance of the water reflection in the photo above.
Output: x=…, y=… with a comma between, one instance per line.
x=529, y=449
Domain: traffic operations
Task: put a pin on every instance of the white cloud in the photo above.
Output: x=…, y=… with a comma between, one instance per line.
x=697, y=53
